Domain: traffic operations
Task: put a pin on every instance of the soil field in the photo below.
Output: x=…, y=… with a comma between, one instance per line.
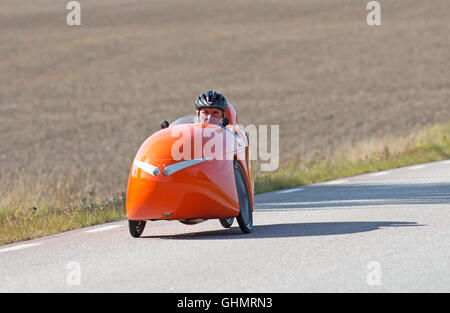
x=81, y=99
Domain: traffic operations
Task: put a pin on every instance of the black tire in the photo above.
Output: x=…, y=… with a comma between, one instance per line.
x=245, y=217
x=136, y=228
x=226, y=222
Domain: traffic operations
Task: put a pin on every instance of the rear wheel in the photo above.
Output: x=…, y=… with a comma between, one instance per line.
x=136, y=228
x=245, y=217
x=227, y=222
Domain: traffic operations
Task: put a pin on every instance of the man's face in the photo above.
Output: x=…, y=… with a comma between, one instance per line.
x=210, y=115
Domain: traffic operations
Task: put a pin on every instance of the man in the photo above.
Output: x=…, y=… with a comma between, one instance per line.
x=211, y=107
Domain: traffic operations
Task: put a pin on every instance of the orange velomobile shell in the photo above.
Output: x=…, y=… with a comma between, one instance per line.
x=178, y=175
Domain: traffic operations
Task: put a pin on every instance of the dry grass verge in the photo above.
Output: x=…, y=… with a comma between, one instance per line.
x=426, y=145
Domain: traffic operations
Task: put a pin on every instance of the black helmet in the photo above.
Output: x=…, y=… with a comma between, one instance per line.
x=211, y=99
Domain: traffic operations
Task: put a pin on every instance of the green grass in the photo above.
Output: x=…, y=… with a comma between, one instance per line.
x=22, y=217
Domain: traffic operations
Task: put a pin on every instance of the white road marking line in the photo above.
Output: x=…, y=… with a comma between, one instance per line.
x=380, y=173
x=335, y=182
x=96, y=230
x=321, y=205
x=20, y=247
x=290, y=190
x=332, y=202
x=417, y=167
x=446, y=162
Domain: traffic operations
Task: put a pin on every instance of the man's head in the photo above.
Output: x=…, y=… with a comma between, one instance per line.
x=211, y=106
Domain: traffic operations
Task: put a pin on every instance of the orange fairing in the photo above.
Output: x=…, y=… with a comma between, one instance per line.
x=186, y=172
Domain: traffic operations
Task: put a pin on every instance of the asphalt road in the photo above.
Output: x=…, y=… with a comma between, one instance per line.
x=382, y=232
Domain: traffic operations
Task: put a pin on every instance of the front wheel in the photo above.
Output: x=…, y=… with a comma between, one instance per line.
x=245, y=217
x=136, y=228
x=226, y=222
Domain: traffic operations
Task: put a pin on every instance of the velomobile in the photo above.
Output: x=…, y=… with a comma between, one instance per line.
x=191, y=172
